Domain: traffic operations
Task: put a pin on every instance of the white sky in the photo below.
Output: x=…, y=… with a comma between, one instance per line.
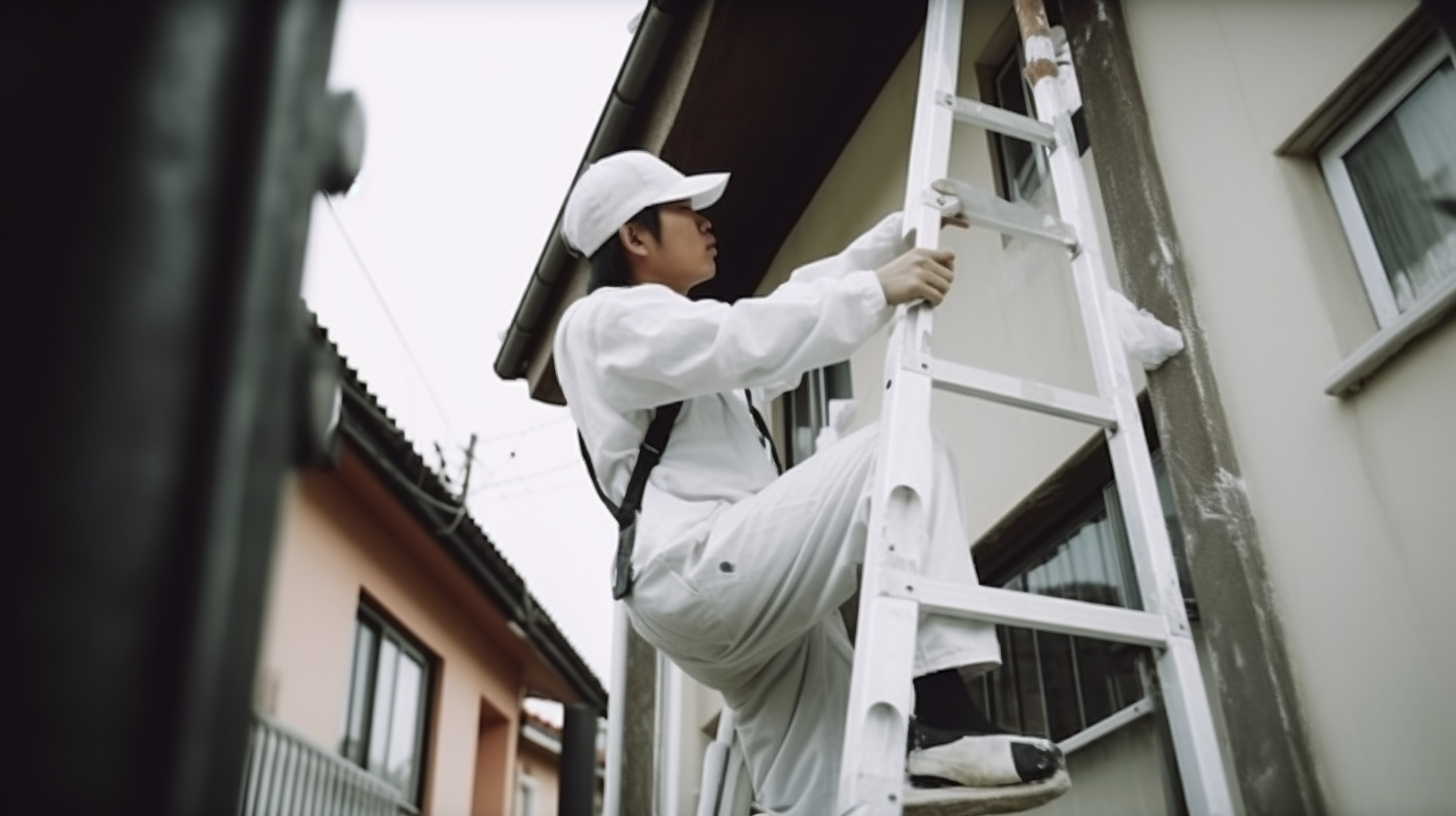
x=477, y=114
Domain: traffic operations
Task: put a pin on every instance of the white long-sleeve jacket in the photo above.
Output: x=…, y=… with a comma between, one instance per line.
x=621, y=352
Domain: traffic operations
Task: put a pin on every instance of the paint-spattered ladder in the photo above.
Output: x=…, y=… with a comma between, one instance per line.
x=894, y=593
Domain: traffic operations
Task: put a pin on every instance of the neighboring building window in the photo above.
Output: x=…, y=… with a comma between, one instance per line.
x=809, y=409
x=1056, y=685
x=528, y=796
x=1022, y=165
x=388, y=704
x=1385, y=168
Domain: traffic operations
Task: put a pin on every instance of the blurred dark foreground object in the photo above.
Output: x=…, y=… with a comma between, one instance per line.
x=159, y=163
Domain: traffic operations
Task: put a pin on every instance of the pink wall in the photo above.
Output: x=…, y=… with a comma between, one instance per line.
x=343, y=537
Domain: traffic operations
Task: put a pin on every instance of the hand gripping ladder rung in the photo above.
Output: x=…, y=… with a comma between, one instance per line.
x=893, y=592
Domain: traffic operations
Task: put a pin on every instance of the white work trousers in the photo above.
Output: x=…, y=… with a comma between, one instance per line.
x=752, y=611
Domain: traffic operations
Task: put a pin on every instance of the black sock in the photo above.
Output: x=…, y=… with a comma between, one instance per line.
x=943, y=701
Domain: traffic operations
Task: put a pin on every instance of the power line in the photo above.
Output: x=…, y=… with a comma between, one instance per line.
x=490, y=440
x=394, y=324
x=524, y=477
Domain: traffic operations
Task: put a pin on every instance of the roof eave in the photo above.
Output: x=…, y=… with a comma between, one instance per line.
x=619, y=117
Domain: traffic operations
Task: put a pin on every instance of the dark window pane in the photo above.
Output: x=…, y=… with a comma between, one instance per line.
x=1003, y=684
x=1175, y=527
x=1019, y=172
x=1129, y=684
x=812, y=406
x=1028, y=681
x=1095, y=669
x=365, y=641
x=1059, y=685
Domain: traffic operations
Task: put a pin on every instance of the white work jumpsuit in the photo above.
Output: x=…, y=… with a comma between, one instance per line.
x=740, y=572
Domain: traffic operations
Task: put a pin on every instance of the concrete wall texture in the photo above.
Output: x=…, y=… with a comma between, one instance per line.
x=1351, y=495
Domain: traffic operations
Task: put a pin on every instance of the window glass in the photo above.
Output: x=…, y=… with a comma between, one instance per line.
x=359, y=691
x=388, y=703
x=813, y=406
x=1020, y=169
x=404, y=725
x=1056, y=685
x=1397, y=168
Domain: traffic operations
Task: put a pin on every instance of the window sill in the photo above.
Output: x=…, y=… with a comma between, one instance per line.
x=1351, y=374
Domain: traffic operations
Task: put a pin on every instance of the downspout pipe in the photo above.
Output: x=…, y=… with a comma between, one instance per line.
x=658, y=21
x=577, y=784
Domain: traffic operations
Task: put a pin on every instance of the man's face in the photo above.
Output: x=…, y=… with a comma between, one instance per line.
x=683, y=256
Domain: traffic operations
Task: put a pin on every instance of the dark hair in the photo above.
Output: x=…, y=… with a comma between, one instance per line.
x=609, y=265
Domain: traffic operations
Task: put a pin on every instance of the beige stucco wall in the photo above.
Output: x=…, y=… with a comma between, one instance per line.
x=540, y=766
x=1352, y=497
x=333, y=548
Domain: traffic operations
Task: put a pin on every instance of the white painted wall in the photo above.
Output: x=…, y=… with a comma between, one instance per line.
x=1353, y=497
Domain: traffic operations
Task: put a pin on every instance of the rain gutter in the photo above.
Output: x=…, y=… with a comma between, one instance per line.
x=552, y=271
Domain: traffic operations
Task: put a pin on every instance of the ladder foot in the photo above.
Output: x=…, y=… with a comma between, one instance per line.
x=956, y=801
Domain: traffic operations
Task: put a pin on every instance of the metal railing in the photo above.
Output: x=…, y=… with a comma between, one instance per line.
x=287, y=774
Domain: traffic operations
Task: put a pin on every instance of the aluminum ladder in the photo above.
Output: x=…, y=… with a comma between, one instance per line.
x=893, y=592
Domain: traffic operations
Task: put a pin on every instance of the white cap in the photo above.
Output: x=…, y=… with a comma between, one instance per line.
x=617, y=187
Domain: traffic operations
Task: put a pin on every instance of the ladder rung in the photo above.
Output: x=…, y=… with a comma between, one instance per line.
x=986, y=210
x=1039, y=612
x=1019, y=393
x=999, y=120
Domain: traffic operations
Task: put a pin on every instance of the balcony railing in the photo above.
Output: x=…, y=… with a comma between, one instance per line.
x=289, y=775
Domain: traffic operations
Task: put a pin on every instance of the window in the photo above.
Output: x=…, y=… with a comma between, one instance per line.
x=1055, y=685
x=388, y=704
x=528, y=796
x=811, y=407
x=1385, y=168
x=1022, y=165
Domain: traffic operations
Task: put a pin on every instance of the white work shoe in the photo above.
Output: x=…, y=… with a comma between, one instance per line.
x=961, y=774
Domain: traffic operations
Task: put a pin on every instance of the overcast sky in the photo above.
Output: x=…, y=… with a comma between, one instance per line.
x=478, y=112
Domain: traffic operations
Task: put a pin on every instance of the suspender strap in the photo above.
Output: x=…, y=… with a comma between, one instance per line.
x=764, y=436
x=648, y=456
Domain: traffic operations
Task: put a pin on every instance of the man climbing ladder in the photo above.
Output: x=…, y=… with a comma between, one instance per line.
x=735, y=571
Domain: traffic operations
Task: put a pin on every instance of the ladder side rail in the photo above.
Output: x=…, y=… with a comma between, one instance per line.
x=729, y=802
x=668, y=744
x=1189, y=716
x=712, y=789
x=873, y=759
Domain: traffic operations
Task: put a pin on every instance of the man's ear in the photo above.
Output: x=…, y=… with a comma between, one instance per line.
x=630, y=235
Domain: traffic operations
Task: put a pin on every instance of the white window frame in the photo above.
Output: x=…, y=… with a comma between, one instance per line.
x=1395, y=328
x=528, y=795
